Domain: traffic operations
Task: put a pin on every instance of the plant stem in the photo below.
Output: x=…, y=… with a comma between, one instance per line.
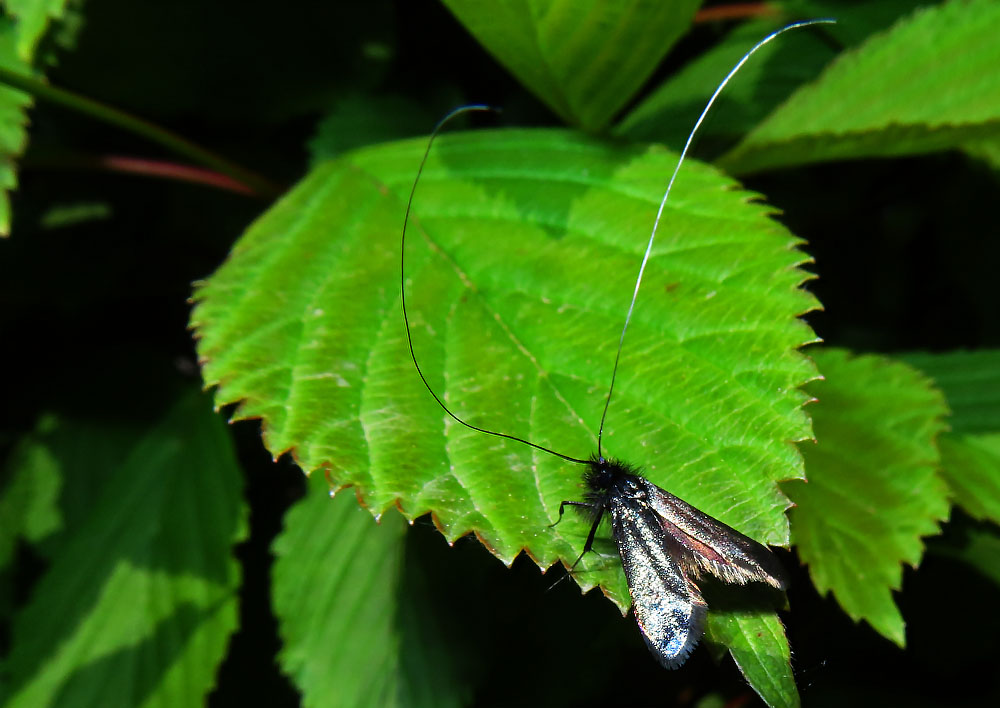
x=99, y=111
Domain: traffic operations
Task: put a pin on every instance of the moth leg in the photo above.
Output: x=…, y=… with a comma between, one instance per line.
x=563, y=505
x=589, y=545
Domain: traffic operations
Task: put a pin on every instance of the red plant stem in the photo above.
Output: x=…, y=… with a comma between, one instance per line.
x=172, y=170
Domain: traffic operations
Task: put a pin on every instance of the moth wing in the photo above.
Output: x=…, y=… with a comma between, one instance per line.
x=667, y=605
x=711, y=545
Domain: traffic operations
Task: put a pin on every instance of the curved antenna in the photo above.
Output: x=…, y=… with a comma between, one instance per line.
x=402, y=289
x=670, y=184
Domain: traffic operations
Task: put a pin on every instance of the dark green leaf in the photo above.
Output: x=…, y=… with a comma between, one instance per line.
x=140, y=599
x=347, y=615
x=584, y=59
x=981, y=551
x=872, y=489
x=356, y=120
x=971, y=467
x=971, y=383
x=30, y=492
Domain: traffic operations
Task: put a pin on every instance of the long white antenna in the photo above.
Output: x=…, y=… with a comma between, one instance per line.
x=666, y=195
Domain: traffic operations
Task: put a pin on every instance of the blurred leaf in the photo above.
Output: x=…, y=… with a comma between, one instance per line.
x=669, y=113
x=522, y=256
x=339, y=595
x=29, y=496
x=971, y=383
x=872, y=488
x=971, y=467
x=13, y=119
x=986, y=150
x=927, y=84
x=63, y=215
x=21, y=28
x=585, y=60
x=140, y=599
x=33, y=19
x=776, y=70
x=43, y=505
x=358, y=120
x=980, y=551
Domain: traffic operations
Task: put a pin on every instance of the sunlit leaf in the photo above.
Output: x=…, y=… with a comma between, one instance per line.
x=928, y=83
x=522, y=256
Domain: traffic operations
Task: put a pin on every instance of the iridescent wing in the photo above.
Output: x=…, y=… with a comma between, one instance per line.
x=712, y=546
x=667, y=605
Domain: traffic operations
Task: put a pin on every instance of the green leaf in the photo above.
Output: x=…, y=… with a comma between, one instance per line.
x=980, y=551
x=929, y=83
x=21, y=29
x=970, y=455
x=584, y=59
x=349, y=620
x=971, y=383
x=756, y=639
x=776, y=70
x=139, y=601
x=33, y=19
x=971, y=467
x=521, y=257
x=668, y=113
x=29, y=500
x=872, y=489
x=356, y=120
x=986, y=151
x=13, y=119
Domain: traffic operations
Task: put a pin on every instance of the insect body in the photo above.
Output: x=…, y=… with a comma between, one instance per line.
x=665, y=543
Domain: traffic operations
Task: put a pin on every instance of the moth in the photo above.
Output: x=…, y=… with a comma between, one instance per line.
x=665, y=544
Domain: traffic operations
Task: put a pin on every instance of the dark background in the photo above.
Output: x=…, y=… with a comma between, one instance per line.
x=905, y=252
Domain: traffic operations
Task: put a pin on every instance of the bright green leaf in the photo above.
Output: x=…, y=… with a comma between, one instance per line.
x=971, y=467
x=140, y=599
x=929, y=83
x=343, y=609
x=872, y=489
x=584, y=58
x=521, y=259
x=971, y=383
